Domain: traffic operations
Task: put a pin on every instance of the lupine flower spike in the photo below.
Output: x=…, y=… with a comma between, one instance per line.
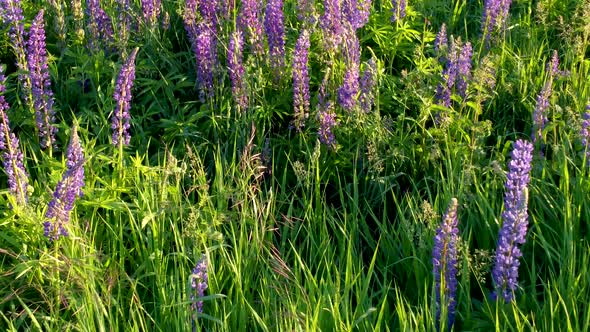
x=18, y=178
x=250, y=23
x=301, y=80
x=41, y=83
x=367, y=83
x=444, y=262
x=326, y=115
x=515, y=222
x=274, y=24
x=99, y=24
x=11, y=15
x=586, y=133
x=66, y=192
x=122, y=96
x=398, y=11
x=349, y=90
x=236, y=69
x=199, y=284
x=331, y=24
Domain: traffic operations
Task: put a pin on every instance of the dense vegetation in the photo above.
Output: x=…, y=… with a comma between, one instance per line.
x=310, y=165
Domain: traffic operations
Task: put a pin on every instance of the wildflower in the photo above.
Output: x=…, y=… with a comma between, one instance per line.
x=348, y=91
x=464, y=69
x=151, y=11
x=274, y=24
x=441, y=40
x=328, y=121
x=122, y=96
x=301, y=79
x=444, y=262
x=356, y=12
x=41, y=83
x=399, y=10
x=515, y=222
x=367, y=85
x=586, y=133
x=331, y=24
x=306, y=11
x=205, y=53
x=236, y=69
x=11, y=15
x=249, y=22
x=495, y=15
x=100, y=24
x=66, y=191
x=540, y=113
x=199, y=284
x=12, y=156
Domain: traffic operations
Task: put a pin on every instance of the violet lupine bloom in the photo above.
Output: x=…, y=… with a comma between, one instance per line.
x=356, y=12
x=301, y=79
x=349, y=90
x=206, y=55
x=540, y=113
x=367, y=83
x=399, y=10
x=464, y=69
x=124, y=22
x=122, y=96
x=250, y=23
x=18, y=178
x=495, y=16
x=586, y=133
x=100, y=24
x=236, y=69
x=11, y=15
x=441, y=42
x=515, y=222
x=199, y=284
x=274, y=24
x=328, y=121
x=444, y=264
x=331, y=24
x=66, y=191
x=450, y=74
x=151, y=11
x=306, y=11
x=189, y=17
x=41, y=83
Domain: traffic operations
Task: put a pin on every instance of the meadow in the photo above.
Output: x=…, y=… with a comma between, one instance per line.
x=309, y=165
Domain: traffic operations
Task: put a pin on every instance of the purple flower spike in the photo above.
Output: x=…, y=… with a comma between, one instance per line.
x=151, y=11
x=306, y=11
x=122, y=96
x=586, y=133
x=249, y=21
x=236, y=69
x=206, y=55
x=199, y=284
x=540, y=113
x=66, y=191
x=464, y=69
x=515, y=222
x=398, y=11
x=41, y=83
x=444, y=262
x=356, y=12
x=18, y=178
x=11, y=15
x=100, y=24
x=301, y=79
x=331, y=24
x=495, y=16
x=328, y=121
x=367, y=83
x=441, y=42
x=274, y=24
x=348, y=92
